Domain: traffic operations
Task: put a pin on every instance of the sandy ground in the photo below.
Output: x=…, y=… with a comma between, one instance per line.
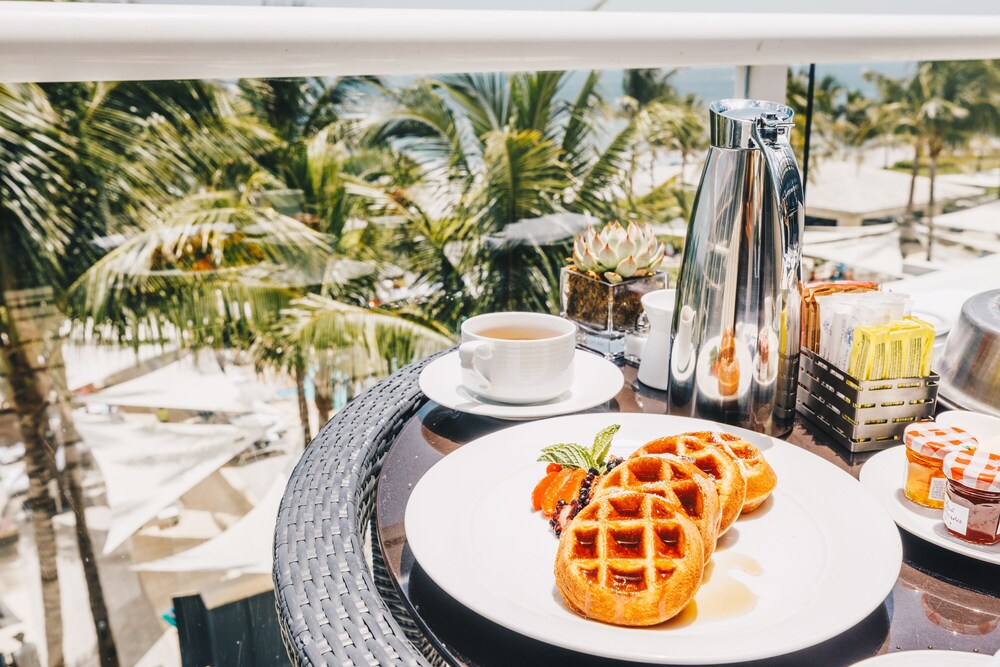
x=134, y=623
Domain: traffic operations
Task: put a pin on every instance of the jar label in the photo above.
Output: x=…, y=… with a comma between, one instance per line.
x=956, y=517
x=938, y=485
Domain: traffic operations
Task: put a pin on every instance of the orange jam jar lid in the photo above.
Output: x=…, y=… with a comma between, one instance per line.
x=936, y=440
x=975, y=470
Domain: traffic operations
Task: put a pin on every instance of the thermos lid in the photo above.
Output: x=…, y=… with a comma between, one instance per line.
x=731, y=121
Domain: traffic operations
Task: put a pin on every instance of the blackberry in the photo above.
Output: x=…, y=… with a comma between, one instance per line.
x=613, y=463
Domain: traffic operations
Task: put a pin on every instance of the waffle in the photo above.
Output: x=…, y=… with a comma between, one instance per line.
x=629, y=558
x=712, y=460
x=675, y=480
x=761, y=478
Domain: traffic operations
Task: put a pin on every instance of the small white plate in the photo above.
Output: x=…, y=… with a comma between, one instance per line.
x=884, y=475
x=941, y=308
x=941, y=326
x=595, y=380
x=785, y=577
x=981, y=426
x=927, y=659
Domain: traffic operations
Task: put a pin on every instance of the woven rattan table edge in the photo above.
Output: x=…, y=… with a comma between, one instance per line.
x=330, y=610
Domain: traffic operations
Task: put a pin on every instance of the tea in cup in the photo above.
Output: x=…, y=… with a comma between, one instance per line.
x=517, y=357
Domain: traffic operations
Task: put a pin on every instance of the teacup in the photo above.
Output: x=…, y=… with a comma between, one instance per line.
x=517, y=357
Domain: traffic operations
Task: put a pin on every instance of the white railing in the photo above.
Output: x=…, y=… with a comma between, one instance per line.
x=41, y=41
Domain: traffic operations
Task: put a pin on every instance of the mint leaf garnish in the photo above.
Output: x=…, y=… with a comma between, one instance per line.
x=568, y=455
x=572, y=455
x=602, y=444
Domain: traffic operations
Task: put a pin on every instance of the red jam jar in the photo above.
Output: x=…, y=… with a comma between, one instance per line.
x=927, y=444
x=972, y=499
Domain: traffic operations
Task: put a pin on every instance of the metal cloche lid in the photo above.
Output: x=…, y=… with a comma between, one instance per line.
x=731, y=121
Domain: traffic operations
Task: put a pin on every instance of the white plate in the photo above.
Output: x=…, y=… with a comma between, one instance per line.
x=812, y=562
x=595, y=380
x=981, y=426
x=941, y=326
x=883, y=475
x=927, y=659
x=943, y=305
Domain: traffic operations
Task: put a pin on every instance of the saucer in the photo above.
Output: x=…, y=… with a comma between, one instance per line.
x=595, y=380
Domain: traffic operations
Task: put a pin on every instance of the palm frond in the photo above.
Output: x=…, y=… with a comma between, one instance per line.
x=645, y=86
x=667, y=201
x=201, y=247
x=533, y=102
x=484, y=99
x=523, y=177
x=376, y=340
x=597, y=192
x=35, y=226
x=579, y=124
x=424, y=123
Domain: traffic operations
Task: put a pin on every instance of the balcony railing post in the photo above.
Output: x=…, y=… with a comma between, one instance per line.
x=761, y=82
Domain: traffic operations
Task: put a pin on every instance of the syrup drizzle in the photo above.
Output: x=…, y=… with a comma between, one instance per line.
x=721, y=595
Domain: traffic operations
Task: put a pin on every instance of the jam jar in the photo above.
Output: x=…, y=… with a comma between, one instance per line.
x=927, y=444
x=972, y=499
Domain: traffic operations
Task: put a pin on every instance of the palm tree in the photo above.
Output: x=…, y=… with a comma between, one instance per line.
x=212, y=271
x=680, y=126
x=496, y=149
x=356, y=341
x=828, y=118
x=643, y=87
x=663, y=119
x=34, y=231
x=78, y=161
x=321, y=160
x=225, y=270
x=940, y=107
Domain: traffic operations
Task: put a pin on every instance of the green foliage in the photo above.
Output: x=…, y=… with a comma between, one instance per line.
x=363, y=342
x=644, y=87
x=495, y=150
x=228, y=215
x=35, y=227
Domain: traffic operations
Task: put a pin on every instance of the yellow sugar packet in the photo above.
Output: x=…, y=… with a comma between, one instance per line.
x=880, y=354
x=898, y=347
x=921, y=348
x=860, y=351
x=863, y=351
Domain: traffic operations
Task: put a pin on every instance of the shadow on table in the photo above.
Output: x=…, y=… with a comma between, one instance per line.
x=477, y=641
x=968, y=572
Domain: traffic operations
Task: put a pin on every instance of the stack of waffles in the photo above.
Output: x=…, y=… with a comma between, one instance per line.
x=636, y=553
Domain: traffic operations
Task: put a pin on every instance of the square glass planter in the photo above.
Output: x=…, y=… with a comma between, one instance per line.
x=605, y=312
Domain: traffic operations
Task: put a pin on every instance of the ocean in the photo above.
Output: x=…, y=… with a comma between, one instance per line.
x=714, y=83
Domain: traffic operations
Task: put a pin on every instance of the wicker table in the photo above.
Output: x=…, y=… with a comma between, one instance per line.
x=340, y=606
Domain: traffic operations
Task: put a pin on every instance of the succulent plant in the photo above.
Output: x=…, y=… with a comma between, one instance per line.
x=617, y=252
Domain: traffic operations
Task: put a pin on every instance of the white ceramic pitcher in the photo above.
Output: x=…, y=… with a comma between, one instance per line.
x=654, y=369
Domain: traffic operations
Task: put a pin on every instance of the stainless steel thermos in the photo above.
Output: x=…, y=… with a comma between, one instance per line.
x=735, y=343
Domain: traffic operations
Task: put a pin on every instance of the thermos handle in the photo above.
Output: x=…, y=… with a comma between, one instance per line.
x=772, y=136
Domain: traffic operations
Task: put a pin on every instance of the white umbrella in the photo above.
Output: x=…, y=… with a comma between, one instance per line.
x=246, y=547
x=147, y=467
x=544, y=230
x=873, y=248
x=985, y=218
x=187, y=385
